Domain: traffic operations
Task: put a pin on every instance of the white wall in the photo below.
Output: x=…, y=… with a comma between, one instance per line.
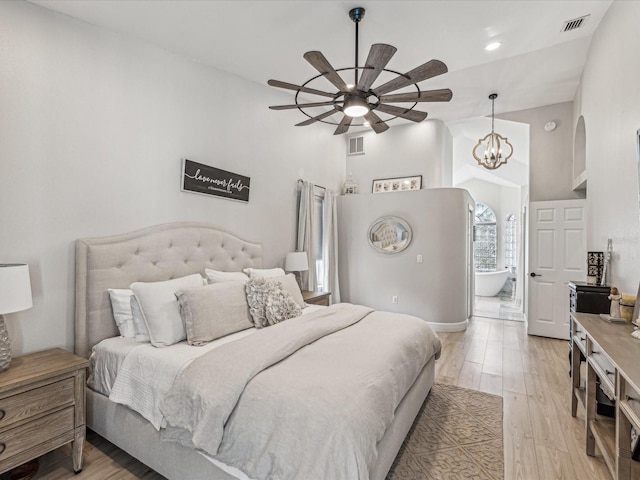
x=93, y=127
x=404, y=150
x=609, y=100
x=434, y=290
x=550, y=153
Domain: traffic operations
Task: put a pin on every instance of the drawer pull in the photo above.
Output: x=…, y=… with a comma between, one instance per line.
x=582, y=339
x=630, y=399
x=3, y=447
x=609, y=372
x=2, y=414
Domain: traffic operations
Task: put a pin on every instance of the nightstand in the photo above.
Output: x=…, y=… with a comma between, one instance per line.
x=316, y=298
x=42, y=407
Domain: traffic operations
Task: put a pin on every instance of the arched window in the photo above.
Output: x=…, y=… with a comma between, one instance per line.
x=485, y=244
x=510, y=241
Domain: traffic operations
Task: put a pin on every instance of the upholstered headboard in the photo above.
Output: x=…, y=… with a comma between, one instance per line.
x=153, y=254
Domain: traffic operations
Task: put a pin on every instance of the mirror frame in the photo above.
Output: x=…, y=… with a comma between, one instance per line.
x=396, y=223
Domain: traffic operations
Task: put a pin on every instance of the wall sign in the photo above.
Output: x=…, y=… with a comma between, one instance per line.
x=199, y=178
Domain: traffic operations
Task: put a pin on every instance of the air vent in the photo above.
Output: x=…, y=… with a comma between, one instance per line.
x=356, y=146
x=575, y=23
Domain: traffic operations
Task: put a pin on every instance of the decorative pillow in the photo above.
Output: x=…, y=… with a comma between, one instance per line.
x=290, y=284
x=121, y=305
x=142, y=332
x=269, y=303
x=216, y=276
x=160, y=308
x=214, y=311
x=263, y=272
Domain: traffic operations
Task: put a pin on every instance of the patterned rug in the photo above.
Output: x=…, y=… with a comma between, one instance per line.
x=457, y=435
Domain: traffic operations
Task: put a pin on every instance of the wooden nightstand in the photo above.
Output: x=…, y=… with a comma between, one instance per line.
x=42, y=407
x=316, y=298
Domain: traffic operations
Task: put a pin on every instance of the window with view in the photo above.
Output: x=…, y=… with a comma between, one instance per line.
x=485, y=245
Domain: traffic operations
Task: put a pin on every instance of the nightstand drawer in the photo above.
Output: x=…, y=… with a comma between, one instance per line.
x=18, y=439
x=34, y=402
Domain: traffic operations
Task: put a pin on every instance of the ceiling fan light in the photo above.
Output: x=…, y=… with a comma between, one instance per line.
x=356, y=107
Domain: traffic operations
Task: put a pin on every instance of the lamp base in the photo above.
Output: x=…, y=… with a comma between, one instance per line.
x=5, y=346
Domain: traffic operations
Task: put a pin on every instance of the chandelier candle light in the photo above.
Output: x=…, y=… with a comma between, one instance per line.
x=493, y=156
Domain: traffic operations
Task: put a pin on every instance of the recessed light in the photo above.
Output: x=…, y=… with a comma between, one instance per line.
x=492, y=46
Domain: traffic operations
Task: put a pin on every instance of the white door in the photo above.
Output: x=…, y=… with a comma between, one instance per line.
x=557, y=254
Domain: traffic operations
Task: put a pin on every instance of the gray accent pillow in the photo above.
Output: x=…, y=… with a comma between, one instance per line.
x=290, y=284
x=269, y=303
x=214, y=311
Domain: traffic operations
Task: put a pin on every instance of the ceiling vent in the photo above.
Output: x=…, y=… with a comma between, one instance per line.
x=574, y=23
x=356, y=146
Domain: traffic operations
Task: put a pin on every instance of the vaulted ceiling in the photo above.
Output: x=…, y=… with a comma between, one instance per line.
x=538, y=64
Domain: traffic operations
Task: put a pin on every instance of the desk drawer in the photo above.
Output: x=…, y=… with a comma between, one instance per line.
x=18, y=439
x=34, y=402
x=580, y=337
x=604, y=367
x=631, y=397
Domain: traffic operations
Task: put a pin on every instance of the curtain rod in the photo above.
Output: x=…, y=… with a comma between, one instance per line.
x=319, y=186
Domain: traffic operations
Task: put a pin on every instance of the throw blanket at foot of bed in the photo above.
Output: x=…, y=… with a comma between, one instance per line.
x=304, y=399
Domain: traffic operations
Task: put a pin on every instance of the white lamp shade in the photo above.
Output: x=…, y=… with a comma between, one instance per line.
x=296, y=262
x=15, y=288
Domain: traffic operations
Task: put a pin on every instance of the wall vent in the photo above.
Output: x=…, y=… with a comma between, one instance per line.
x=574, y=23
x=356, y=146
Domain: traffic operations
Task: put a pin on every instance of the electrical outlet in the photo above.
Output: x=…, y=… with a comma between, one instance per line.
x=394, y=299
x=419, y=259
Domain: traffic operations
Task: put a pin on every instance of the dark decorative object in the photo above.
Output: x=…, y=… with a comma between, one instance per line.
x=595, y=266
x=199, y=178
x=359, y=99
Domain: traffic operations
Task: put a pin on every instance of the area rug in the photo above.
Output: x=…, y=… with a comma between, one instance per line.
x=456, y=436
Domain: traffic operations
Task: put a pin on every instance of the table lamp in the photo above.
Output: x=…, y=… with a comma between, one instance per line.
x=297, y=262
x=15, y=296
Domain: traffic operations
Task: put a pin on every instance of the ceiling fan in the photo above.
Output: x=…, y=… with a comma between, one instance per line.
x=360, y=99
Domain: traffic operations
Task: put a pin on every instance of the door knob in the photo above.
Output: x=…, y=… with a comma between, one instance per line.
x=534, y=274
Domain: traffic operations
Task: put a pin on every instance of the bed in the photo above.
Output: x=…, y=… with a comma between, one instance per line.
x=161, y=253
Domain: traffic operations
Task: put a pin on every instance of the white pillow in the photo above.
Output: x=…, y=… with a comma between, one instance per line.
x=121, y=305
x=263, y=272
x=142, y=332
x=161, y=310
x=216, y=276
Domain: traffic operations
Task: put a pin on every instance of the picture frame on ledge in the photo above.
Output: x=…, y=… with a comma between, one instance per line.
x=399, y=184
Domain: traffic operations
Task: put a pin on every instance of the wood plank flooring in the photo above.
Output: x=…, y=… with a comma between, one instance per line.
x=541, y=439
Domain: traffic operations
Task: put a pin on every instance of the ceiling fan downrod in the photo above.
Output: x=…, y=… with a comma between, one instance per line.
x=356, y=14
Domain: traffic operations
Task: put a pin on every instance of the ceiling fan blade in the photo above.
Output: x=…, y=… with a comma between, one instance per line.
x=442, y=95
x=291, y=86
x=301, y=105
x=428, y=70
x=344, y=125
x=320, y=63
x=413, y=115
x=379, y=56
x=318, y=118
x=376, y=122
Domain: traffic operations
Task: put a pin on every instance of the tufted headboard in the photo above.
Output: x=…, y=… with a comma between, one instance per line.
x=152, y=254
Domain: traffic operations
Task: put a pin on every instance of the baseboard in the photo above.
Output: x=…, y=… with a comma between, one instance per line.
x=449, y=327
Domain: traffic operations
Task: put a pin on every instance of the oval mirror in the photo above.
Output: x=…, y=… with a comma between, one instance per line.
x=389, y=235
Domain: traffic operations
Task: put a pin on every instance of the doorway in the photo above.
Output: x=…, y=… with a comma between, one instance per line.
x=500, y=196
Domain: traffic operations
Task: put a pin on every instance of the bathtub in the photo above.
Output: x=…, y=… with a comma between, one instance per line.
x=488, y=284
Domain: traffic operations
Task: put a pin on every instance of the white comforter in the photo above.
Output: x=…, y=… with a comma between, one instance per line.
x=309, y=398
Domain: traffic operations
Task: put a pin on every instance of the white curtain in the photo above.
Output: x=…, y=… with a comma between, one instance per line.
x=330, y=245
x=306, y=217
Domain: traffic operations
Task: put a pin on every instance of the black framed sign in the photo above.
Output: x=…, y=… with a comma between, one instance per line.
x=200, y=178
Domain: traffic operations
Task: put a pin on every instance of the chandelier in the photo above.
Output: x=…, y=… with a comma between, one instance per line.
x=492, y=143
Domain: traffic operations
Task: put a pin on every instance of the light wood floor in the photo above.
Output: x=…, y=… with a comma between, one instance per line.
x=541, y=439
